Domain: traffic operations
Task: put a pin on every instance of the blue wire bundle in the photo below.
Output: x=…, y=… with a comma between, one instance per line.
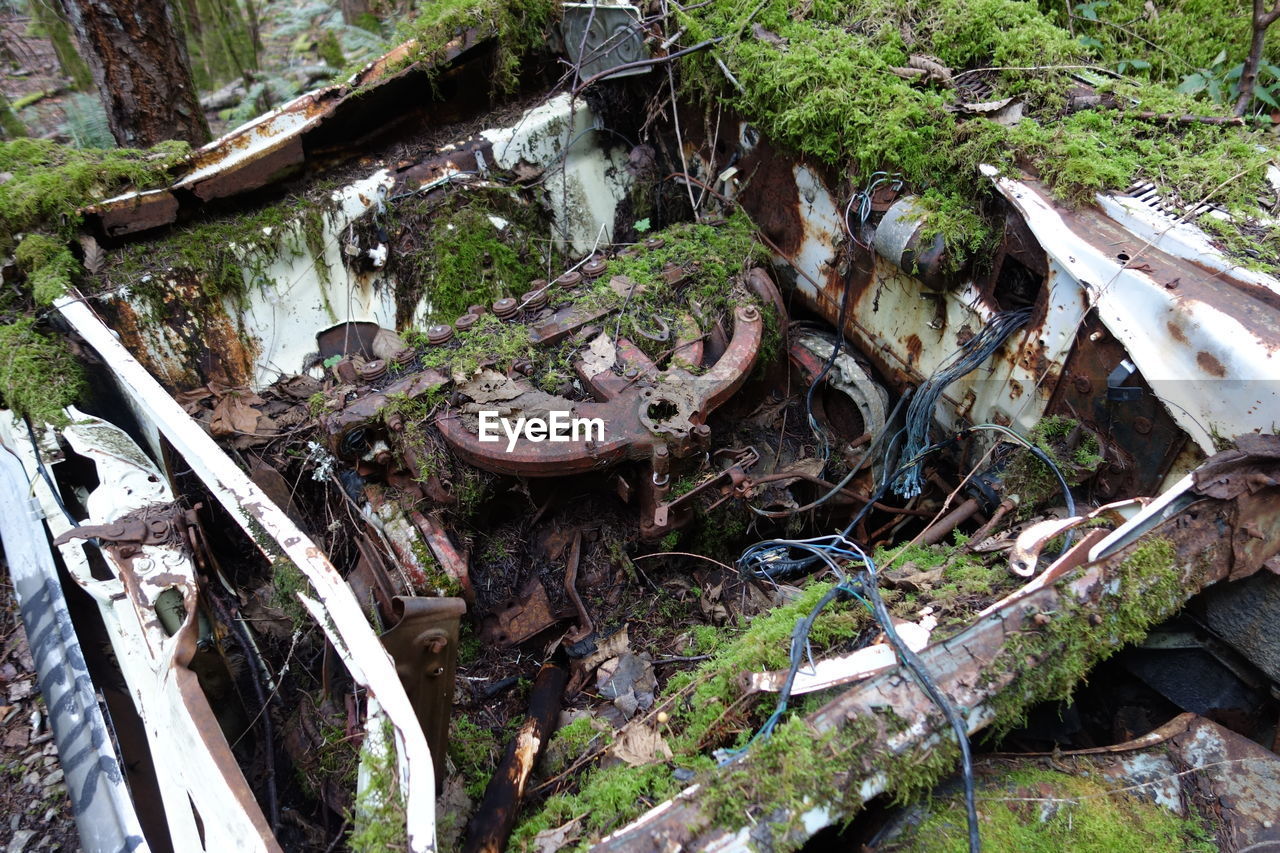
x=965, y=360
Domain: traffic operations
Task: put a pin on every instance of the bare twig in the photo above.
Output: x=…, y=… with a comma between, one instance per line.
x=1262, y=19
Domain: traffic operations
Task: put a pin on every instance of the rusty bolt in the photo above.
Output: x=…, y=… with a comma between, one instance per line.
x=383, y=457
x=372, y=371
x=437, y=335
x=505, y=308
x=1082, y=383
x=466, y=321
x=748, y=313
x=1041, y=619
x=524, y=367
x=1142, y=425
x=654, y=243
x=594, y=267
x=395, y=422
x=403, y=356
x=569, y=279
x=478, y=310
x=702, y=430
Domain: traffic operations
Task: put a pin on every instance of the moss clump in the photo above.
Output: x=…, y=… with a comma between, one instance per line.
x=227, y=254
x=455, y=255
x=519, y=26
x=39, y=377
x=50, y=182
x=330, y=51
x=379, y=814
x=706, y=710
x=710, y=259
x=49, y=265
x=489, y=342
x=1074, y=450
x=831, y=92
x=1148, y=589
x=1047, y=811
x=475, y=751
x=287, y=580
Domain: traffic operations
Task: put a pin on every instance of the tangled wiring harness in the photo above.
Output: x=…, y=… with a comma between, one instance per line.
x=858, y=579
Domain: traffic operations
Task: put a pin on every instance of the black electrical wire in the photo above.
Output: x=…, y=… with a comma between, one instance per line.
x=917, y=669
x=871, y=448
x=44, y=472
x=971, y=354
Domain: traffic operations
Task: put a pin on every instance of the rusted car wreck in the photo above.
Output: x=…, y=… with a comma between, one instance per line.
x=342, y=549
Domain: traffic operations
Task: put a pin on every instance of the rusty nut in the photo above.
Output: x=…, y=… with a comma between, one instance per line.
x=505, y=308
x=594, y=267
x=371, y=371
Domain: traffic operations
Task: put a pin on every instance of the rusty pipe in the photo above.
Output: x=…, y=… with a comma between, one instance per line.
x=491, y=827
x=936, y=532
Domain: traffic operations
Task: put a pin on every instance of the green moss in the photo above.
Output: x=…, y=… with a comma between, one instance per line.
x=49, y=265
x=330, y=51
x=438, y=580
x=703, y=716
x=475, y=751
x=1074, y=451
x=287, y=580
x=50, y=182
x=39, y=377
x=455, y=255
x=1050, y=662
x=379, y=815
x=831, y=93
x=711, y=259
x=489, y=342
x=519, y=26
x=227, y=254
x=1046, y=811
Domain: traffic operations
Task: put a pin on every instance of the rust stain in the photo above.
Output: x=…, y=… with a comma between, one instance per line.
x=914, y=346
x=1175, y=332
x=1209, y=364
x=774, y=203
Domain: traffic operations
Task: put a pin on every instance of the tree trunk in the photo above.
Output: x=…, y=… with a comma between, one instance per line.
x=54, y=24
x=353, y=11
x=140, y=66
x=11, y=127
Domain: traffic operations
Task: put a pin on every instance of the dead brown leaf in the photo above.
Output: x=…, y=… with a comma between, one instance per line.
x=551, y=840
x=637, y=745
x=233, y=415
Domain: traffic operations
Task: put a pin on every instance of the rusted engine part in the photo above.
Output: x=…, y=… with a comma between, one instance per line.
x=150, y=575
x=867, y=415
x=496, y=816
x=531, y=612
x=649, y=409
x=992, y=657
x=731, y=482
x=424, y=645
x=359, y=432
